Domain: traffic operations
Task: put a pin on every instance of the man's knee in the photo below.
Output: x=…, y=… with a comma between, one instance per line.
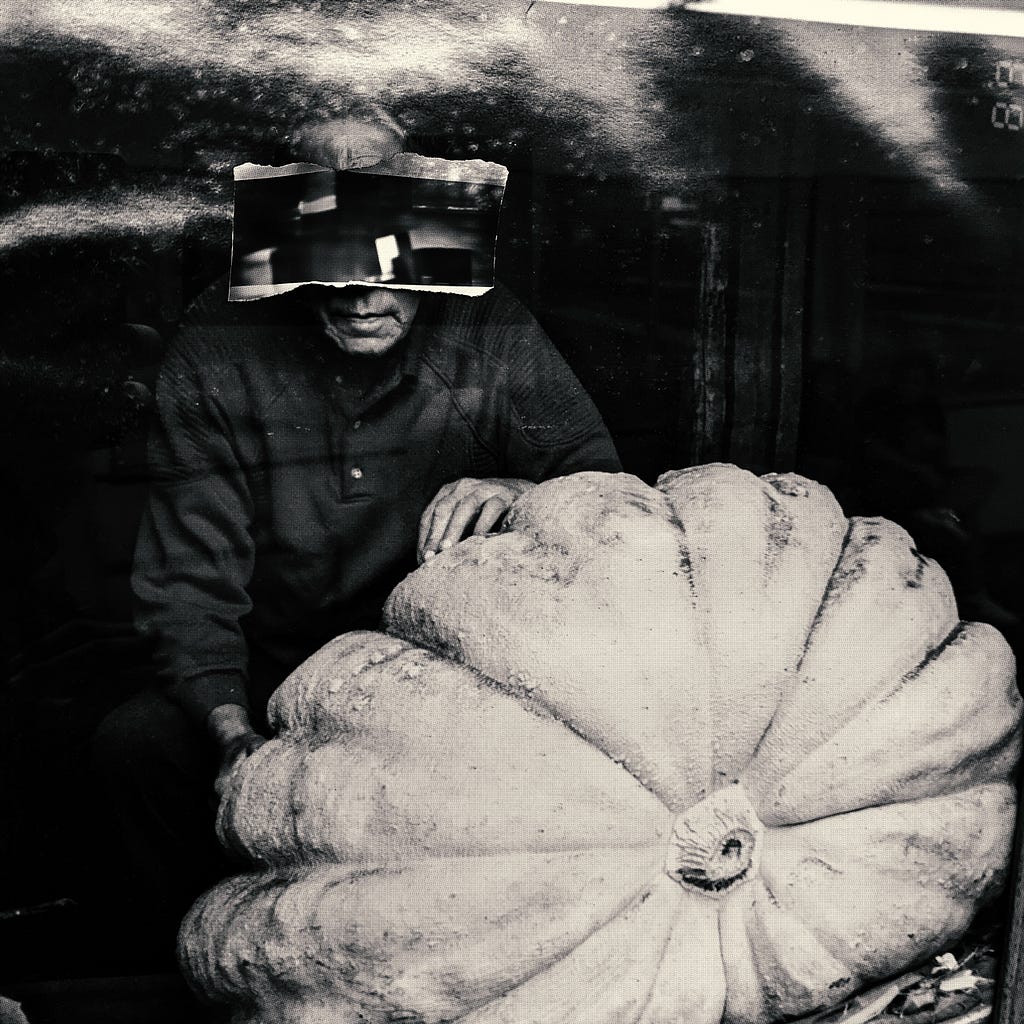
x=144, y=735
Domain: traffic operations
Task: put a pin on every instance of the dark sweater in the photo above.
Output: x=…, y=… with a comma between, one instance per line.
x=285, y=503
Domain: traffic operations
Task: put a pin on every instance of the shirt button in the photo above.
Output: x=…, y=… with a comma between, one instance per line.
x=356, y=473
x=356, y=424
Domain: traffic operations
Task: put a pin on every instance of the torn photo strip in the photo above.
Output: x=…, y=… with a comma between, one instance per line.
x=413, y=222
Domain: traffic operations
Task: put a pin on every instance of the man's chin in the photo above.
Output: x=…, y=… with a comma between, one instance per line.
x=362, y=347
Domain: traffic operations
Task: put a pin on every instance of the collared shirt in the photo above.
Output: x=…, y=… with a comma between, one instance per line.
x=285, y=500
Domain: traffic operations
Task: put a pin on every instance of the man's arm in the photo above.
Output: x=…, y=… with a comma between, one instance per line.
x=229, y=727
x=550, y=428
x=194, y=554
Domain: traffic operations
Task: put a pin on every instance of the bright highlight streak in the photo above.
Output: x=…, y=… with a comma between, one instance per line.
x=141, y=213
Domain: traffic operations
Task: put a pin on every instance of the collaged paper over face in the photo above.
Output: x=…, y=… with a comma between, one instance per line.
x=413, y=222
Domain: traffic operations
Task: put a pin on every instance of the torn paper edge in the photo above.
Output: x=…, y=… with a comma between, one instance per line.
x=404, y=165
x=245, y=292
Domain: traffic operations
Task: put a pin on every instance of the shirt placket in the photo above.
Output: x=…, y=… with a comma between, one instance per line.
x=347, y=431
x=356, y=421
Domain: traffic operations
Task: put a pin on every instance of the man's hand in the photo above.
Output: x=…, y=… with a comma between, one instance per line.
x=466, y=503
x=235, y=737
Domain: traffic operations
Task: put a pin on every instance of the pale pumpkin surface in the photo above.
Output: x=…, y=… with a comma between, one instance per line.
x=703, y=752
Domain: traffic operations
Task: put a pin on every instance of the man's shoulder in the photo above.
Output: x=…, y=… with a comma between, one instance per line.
x=215, y=333
x=491, y=327
x=496, y=307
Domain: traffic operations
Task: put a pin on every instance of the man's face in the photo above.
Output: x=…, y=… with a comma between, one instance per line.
x=363, y=321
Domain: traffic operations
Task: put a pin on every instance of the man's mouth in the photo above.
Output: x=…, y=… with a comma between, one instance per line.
x=359, y=323
x=344, y=315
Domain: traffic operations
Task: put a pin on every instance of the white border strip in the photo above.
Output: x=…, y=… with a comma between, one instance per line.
x=982, y=21
x=923, y=17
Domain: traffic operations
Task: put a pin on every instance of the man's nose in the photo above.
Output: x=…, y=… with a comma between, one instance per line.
x=353, y=299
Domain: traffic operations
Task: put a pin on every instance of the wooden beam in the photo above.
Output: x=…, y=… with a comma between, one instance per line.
x=750, y=333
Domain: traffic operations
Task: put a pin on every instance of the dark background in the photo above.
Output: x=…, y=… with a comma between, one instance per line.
x=781, y=245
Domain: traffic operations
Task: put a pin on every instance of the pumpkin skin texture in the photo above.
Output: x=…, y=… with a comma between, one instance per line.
x=696, y=753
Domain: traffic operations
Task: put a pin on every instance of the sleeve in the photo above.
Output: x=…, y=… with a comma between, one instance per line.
x=194, y=554
x=554, y=428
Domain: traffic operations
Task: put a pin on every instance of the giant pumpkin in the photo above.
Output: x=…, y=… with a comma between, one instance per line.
x=648, y=756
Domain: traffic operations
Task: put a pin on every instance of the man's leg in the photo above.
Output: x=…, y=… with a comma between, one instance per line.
x=154, y=771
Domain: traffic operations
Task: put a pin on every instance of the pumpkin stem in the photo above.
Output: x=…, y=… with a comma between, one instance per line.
x=716, y=844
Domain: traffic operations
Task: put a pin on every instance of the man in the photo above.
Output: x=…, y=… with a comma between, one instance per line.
x=307, y=449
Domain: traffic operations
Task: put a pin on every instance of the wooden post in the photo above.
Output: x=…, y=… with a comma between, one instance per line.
x=748, y=353
x=1009, y=996
x=710, y=359
x=794, y=294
